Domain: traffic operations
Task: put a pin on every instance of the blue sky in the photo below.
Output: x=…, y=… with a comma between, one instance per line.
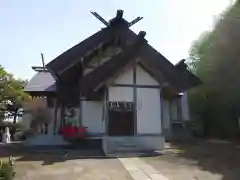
x=29, y=27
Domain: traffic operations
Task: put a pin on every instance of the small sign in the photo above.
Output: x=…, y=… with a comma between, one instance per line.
x=121, y=105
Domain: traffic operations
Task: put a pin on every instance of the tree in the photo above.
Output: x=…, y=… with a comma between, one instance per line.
x=214, y=57
x=12, y=95
x=40, y=115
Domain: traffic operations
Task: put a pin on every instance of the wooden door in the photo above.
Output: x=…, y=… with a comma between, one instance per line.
x=121, y=121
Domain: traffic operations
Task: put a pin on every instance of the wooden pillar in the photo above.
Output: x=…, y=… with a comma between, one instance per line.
x=80, y=113
x=161, y=111
x=55, y=114
x=81, y=97
x=62, y=109
x=170, y=117
x=106, y=110
x=135, y=99
x=80, y=110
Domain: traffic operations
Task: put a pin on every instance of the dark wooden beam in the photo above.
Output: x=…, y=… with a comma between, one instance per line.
x=39, y=68
x=100, y=18
x=107, y=111
x=43, y=63
x=137, y=86
x=134, y=21
x=90, y=66
x=86, y=58
x=116, y=40
x=101, y=48
x=55, y=116
x=162, y=111
x=119, y=14
x=135, y=98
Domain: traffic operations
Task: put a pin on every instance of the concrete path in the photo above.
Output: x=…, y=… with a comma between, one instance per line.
x=139, y=170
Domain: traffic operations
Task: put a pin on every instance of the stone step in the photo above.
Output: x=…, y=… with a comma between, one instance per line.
x=128, y=145
x=132, y=153
x=122, y=145
x=45, y=140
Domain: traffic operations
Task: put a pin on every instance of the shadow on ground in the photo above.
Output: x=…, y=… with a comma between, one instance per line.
x=48, y=155
x=51, y=163
x=217, y=157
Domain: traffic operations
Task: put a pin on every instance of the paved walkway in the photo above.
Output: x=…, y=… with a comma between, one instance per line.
x=139, y=170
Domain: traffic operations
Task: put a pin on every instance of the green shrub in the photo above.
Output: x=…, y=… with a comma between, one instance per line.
x=6, y=171
x=195, y=127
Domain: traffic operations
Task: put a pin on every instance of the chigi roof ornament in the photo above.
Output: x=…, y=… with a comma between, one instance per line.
x=119, y=15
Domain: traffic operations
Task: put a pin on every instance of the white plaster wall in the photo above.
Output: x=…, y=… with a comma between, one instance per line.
x=126, y=77
x=121, y=94
x=185, y=106
x=148, y=111
x=143, y=78
x=148, y=104
x=92, y=116
x=173, y=110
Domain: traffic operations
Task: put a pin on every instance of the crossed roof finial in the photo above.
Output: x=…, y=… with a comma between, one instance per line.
x=118, y=16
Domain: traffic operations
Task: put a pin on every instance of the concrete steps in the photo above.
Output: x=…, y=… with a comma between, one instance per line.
x=45, y=140
x=125, y=147
x=124, y=144
x=86, y=144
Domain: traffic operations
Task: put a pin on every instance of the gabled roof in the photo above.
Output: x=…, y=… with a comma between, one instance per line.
x=180, y=79
x=118, y=28
x=86, y=47
x=188, y=76
x=42, y=81
x=157, y=64
x=78, y=51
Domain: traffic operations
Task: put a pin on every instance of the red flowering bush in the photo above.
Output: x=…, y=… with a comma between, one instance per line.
x=70, y=132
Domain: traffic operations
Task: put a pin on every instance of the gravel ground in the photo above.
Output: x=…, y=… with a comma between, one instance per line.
x=84, y=169
x=62, y=165
x=200, y=160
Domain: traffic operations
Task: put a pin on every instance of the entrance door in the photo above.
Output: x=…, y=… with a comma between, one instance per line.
x=120, y=122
